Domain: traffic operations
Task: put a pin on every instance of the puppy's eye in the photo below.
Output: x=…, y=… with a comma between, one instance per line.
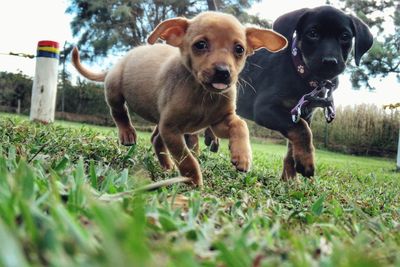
x=313, y=34
x=239, y=50
x=201, y=45
x=345, y=37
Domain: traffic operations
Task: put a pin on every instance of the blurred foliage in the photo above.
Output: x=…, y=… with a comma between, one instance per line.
x=383, y=17
x=82, y=98
x=360, y=130
x=14, y=87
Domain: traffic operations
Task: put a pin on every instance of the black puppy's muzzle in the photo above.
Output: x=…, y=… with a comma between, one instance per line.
x=329, y=61
x=326, y=67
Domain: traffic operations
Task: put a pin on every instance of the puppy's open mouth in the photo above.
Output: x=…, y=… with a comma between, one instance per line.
x=217, y=87
x=220, y=86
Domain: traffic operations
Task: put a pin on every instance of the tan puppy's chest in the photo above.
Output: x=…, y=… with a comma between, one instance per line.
x=199, y=111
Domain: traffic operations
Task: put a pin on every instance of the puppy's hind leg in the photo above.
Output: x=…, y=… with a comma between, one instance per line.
x=161, y=150
x=289, y=168
x=186, y=162
x=303, y=149
x=120, y=114
x=192, y=141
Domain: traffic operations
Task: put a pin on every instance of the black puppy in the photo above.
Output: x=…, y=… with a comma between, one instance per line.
x=281, y=90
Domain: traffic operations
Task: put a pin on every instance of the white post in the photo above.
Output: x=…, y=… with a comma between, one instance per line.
x=44, y=89
x=19, y=106
x=398, y=154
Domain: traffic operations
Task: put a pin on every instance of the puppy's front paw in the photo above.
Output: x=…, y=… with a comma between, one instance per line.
x=305, y=164
x=306, y=170
x=289, y=170
x=241, y=158
x=127, y=136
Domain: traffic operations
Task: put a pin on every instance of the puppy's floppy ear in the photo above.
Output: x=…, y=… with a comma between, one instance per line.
x=171, y=30
x=264, y=38
x=363, y=38
x=287, y=23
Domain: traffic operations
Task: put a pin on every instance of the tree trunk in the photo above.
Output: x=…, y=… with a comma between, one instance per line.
x=212, y=5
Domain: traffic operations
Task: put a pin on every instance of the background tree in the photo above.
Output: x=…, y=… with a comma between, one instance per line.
x=383, y=16
x=15, y=87
x=118, y=25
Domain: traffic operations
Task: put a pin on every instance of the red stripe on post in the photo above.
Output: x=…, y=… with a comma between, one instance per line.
x=48, y=43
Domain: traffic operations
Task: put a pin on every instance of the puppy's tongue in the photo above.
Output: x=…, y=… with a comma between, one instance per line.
x=220, y=86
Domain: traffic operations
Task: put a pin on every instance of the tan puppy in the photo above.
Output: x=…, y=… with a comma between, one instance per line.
x=185, y=86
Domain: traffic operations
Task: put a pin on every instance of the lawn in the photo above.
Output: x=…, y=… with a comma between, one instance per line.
x=67, y=199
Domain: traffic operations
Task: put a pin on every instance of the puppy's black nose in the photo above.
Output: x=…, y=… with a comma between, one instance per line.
x=329, y=61
x=222, y=74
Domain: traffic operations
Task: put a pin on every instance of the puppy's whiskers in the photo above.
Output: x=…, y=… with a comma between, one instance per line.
x=240, y=85
x=248, y=84
x=223, y=95
x=255, y=65
x=184, y=79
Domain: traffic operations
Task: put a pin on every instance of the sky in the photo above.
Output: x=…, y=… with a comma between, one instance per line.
x=25, y=22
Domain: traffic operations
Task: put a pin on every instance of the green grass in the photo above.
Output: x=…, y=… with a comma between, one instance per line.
x=51, y=214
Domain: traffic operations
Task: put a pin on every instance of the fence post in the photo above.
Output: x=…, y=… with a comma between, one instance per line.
x=19, y=106
x=326, y=133
x=44, y=89
x=398, y=154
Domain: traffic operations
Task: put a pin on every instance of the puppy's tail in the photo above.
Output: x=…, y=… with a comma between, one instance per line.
x=99, y=77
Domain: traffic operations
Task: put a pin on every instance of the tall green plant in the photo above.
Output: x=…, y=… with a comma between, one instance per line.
x=362, y=129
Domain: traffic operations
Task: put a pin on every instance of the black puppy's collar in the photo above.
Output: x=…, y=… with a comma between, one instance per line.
x=316, y=87
x=297, y=60
x=301, y=67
